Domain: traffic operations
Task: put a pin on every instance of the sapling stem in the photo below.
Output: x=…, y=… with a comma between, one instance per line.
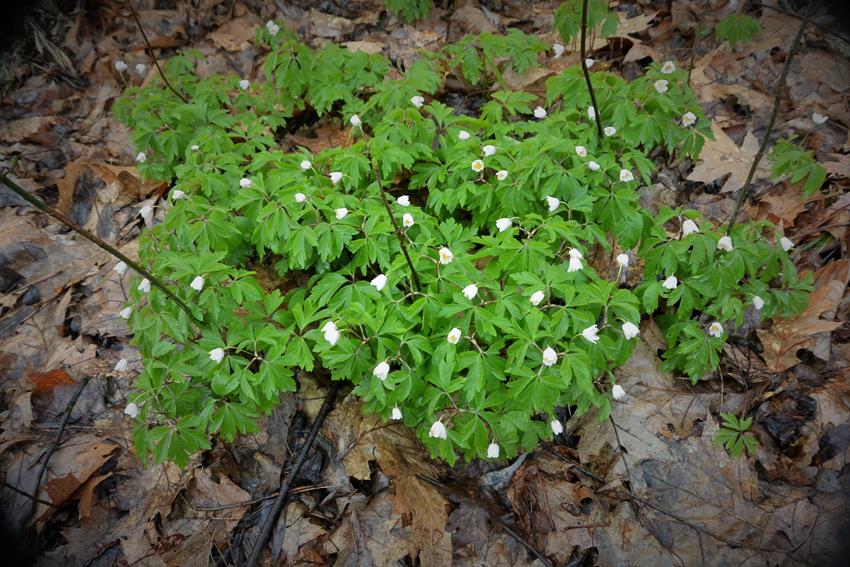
x=598, y=116
x=398, y=232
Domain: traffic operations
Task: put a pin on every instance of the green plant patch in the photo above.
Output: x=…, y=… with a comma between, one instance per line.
x=460, y=272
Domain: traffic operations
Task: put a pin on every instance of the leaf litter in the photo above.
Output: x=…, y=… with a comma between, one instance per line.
x=655, y=490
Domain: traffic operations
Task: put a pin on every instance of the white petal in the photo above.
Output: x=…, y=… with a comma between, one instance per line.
x=470, y=291
x=454, y=336
x=407, y=220
x=630, y=330
x=758, y=302
x=341, y=213
x=132, y=410
x=504, y=224
x=217, y=355
x=550, y=357
x=120, y=268
x=556, y=426
x=623, y=260
x=493, y=451
x=537, y=297
x=617, y=392
x=396, y=413
x=197, y=283
x=379, y=282
x=121, y=366
x=404, y=201
x=552, y=203
x=126, y=312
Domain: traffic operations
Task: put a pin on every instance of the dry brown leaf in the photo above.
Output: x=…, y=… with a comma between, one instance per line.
x=236, y=35
x=782, y=205
x=369, y=47
x=470, y=18
x=423, y=509
x=783, y=340
x=86, y=494
x=328, y=26
x=327, y=136
x=722, y=156
x=44, y=382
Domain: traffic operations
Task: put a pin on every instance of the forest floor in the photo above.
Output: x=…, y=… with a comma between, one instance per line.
x=648, y=487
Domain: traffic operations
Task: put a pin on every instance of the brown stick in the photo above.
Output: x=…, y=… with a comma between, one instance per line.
x=586, y=72
x=287, y=480
x=149, y=51
x=777, y=100
x=56, y=214
x=414, y=275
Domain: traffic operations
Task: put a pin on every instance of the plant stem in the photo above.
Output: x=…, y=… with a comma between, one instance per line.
x=58, y=215
x=414, y=275
x=598, y=118
x=777, y=100
x=149, y=51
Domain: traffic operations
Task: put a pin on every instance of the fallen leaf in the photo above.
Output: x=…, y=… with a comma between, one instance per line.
x=44, y=382
x=471, y=18
x=423, y=509
x=236, y=35
x=328, y=26
x=783, y=340
x=369, y=47
x=86, y=494
x=722, y=156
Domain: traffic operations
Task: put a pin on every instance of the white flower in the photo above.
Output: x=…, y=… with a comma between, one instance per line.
x=244, y=183
x=132, y=410
x=552, y=203
x=121, y=366
x=593, y=165
x=689, y=227
x=300, y=197
x=177, y=194
x=217, y=355
x=332, y=335
x=417, y=101
x=141, y=157
x=272, y=27
x=556, y=426
x=689, y=119
x=125, y=313
x=446, y=256
x=630, y=330
x=623, y=260
x=488, y=150
x=336, y=176
x=493, y=451
x=589, y=62
x=816, y=117
x=355, y=121
x=550, y=357
x=575, y=260
x=618, y=392
x=715, y=329
x=404, y=201
x=477, y=166
x=244, y=84
x=145, y=286
x=581, y=151
x=120, y=268
x=537, y=297
x=340, y=213
x=463, y=135
x=540, y=112
x=197, y=283
x=661, y=85
x=329, y=326
x=503, y=224
x=758, y=302
x=454, y=336
x=379, y=282
x=407, y=220
x=610, y=130
x=381, y=371
x=195, y=147
x=141, y=69
x=591, y=113
x=438, y=430
x=470, y=291
x=725, y=243
x=396, y=413
x=668, y=67
x=786, y=243
x=626, y=176
x=502, y=174
x=120, y=66
x=146, y=213
x=591, y=334
x=558, y=49
x=670, y=283
x=306, y=165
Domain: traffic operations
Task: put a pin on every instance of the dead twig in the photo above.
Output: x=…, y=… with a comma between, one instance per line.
x=57, y=441
x=777, y=100
x=398, y=233
x=288, y=479
x=149, y=51
x=598, y=115
x=102, y=244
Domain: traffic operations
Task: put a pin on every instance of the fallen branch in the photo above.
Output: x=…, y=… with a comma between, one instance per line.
x=288, y=479
x=102, y=244
x=149, y=51
x=597, y=114
x=777, y=100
